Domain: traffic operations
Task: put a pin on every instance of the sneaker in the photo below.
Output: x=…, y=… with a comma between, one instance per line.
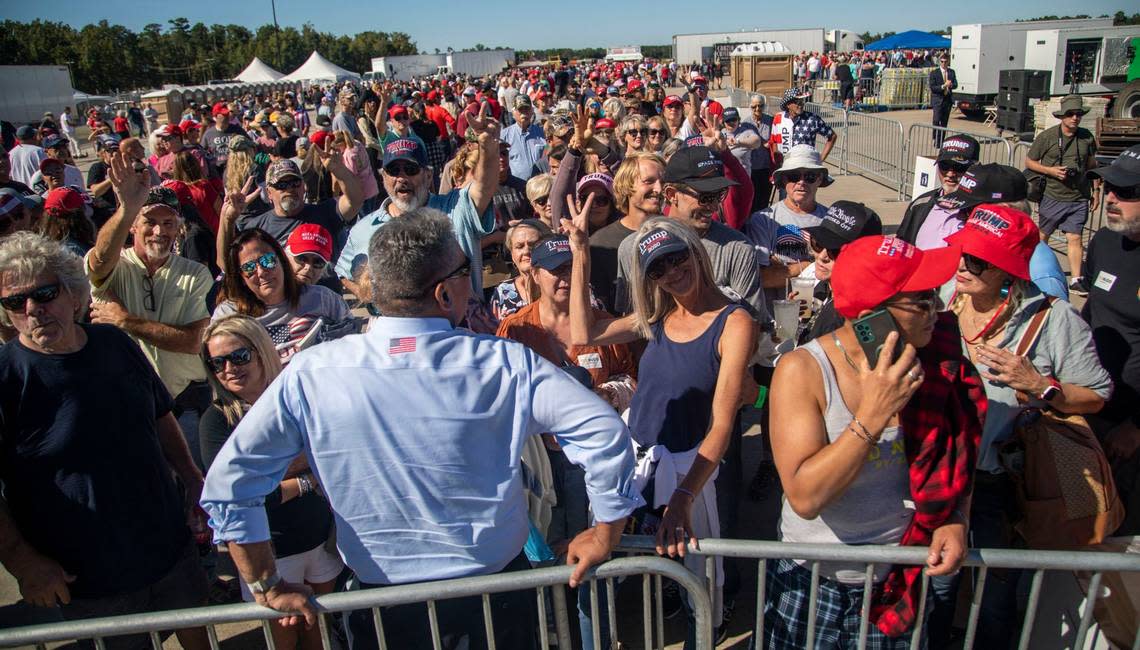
x=1077, y=286
x=671, y=603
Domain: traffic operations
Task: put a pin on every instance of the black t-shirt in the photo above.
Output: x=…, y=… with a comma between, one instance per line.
x=843, y=73
x=19, y=187
x=298, y=525
x=1112, y=271
x=83, y=470
x=217, y=142
x=105, y=204
x=604, y=262
x=324, y=213
x=510, y=202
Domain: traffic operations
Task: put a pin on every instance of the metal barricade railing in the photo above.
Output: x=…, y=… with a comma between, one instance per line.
x=924, y=139
x=873, y=146
x=982, y=559
x=155, y=623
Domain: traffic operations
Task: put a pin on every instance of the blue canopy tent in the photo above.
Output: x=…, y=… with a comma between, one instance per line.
x=912, y=40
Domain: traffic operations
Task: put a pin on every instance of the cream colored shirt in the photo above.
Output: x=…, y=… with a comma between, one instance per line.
x=180, y=289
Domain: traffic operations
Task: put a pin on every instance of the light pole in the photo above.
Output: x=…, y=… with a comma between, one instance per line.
x=276, y=32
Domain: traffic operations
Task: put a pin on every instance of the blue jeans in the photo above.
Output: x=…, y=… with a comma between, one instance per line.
x=992, y=514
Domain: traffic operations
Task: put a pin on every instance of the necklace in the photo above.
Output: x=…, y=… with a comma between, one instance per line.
x=850, y=362
x=982, y=334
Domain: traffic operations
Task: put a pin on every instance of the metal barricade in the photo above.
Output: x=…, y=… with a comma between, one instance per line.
x=921, y=141
x=872, y=146
x=426, y=592
x=1018, y=154
x=1097, y=563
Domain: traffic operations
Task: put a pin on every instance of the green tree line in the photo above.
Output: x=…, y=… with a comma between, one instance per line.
x=107, y=58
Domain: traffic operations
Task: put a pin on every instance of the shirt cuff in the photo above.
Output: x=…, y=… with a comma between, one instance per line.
x=244, y=523
x=611, y=507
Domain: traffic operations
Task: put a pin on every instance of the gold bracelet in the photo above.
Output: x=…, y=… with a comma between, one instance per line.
x=862, y=432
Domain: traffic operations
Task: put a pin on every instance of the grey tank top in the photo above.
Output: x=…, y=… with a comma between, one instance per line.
x=875, y=509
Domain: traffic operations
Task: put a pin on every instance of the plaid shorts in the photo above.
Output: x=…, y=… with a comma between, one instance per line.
x=838, y=609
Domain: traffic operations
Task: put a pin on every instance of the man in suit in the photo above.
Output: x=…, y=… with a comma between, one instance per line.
x=942, y=81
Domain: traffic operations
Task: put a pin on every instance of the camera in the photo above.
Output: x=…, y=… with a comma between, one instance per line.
x=1070, y=172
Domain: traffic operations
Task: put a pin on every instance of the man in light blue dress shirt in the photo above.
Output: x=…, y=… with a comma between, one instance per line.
x=414, y=431
x=526, y=139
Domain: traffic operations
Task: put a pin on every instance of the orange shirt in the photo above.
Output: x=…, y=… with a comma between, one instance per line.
x=603, y=361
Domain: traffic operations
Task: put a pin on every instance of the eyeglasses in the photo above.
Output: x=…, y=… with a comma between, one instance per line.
x=975, y=265
x=832, y=253
x=314, y=261
x=950, y=166
x=268, y=261
x=401, y=118
x=931, y=303
x=708, y=199
x=657, y=133
x=756, y=107
x=1123, y=193
x=238, y=357
x=148, y=298
x=402, y=167
x=807, y=177
x=666, y=264
x=1074, y=113
x=464, y=271
x=287, y=185
x=637, y=132
x=17, y=302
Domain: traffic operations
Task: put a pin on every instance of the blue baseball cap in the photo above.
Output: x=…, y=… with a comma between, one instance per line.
x=552, y=252
x=405, y=149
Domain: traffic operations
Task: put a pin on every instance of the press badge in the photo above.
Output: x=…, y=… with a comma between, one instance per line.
x=1104, y=281
x=591, y=361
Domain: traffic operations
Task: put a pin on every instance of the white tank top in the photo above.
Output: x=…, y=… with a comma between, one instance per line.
x=875, y=509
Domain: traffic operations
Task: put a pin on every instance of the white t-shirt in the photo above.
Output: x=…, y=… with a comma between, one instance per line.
x=25, y=161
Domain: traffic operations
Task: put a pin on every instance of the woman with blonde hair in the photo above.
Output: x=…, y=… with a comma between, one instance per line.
x=355, y=156
x=659, y=134
x=538, y=194
x=633, y=134
x=693, y=373
x=240, y=363
x=245, y=162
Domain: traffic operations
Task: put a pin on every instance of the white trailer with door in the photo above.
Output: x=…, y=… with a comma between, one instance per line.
x=479, y=63
x=403, y=68
x=1085, y=60
x=30, y=90
x=978, y=52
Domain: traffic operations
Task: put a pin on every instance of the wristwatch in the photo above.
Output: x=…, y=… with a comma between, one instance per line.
x=1051, y=392
x=262, y=586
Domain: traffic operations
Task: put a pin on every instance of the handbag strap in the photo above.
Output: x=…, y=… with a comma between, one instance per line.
x=1033, y=331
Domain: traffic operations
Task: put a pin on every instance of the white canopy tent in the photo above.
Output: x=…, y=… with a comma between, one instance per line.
x=318, y=67
x=258, y=72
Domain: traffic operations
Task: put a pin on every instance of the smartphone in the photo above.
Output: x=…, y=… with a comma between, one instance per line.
x=871, y=332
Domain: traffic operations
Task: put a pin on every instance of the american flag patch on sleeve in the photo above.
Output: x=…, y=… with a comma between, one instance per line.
x=402, y=345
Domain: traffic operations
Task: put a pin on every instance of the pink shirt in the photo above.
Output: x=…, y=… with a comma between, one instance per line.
x=356, y=159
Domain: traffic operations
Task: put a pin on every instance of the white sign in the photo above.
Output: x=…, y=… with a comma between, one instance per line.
x=925, y=176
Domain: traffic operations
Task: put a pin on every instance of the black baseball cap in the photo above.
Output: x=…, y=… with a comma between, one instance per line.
x=699, y=168
x=961, y=149
x=551, y=252
x=845, y=222
x=655, y=244
x=992, y=183
x=1124, y=171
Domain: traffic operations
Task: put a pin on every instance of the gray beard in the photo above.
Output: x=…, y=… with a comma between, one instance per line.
x=289, y=205
x=419, y=199
x=1128, y=229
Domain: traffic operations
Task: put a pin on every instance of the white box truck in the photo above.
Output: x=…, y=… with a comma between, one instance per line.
x=1085, y=60
x=478, y=63
x=29, y=90
x=978, y=52
x=403, y=68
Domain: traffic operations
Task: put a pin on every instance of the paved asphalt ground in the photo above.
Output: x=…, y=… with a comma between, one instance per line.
x=757, y=518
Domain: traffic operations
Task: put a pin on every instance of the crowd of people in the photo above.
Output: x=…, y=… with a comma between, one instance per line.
x=276, y=325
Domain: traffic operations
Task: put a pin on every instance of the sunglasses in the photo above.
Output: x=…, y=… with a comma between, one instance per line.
x=657, y=133
x=832, y=253
x=807, y=177
x=948, y=166
x=268, y=261
x=1123, y=193
x=401, y=118
x=310, y=260
x=287, y=185
x=402, y=167
x=600, y=200
x=16, y=302
x=975, y=265
x=637, y=132
x=666, y=264
x=1074, y=113
x=756, y=107
x=930, y=304
x=542, y=200
x=238, y=357
x=708, y=199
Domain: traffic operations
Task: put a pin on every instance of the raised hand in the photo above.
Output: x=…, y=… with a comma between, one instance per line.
x=583, y=129
x=486, y=128
x=131, y=184
x=577, y=227
x=234, y=203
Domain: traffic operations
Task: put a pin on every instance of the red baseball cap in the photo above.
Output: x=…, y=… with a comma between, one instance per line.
x=673, y=99
x=318, y=137
x=432, y=95
x=871, y=270
x=1002, y=236
x=715, y=108
x=220, y=109
x=634, y=84
x=605, y=123
x=398, y=109
x=63, y=199
x=189, y=125
x=310, y=238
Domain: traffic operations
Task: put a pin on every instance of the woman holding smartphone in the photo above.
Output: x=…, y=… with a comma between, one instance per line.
x=838, y=439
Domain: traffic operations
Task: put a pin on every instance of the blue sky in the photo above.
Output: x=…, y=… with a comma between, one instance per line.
x=539, y=24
